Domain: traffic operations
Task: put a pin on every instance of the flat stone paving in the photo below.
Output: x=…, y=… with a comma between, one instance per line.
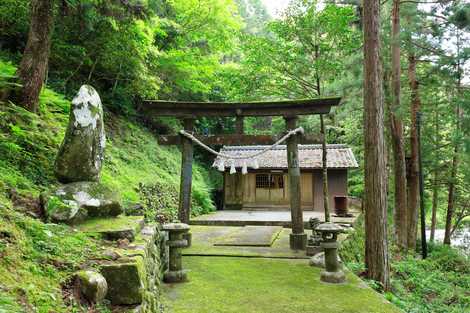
x=272, y=218
x=204, y=239
x=256, y=236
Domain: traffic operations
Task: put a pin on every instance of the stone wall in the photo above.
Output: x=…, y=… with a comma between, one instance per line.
x=135, y=277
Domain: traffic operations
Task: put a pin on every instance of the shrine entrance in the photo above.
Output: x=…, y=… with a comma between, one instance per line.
x=188, y=112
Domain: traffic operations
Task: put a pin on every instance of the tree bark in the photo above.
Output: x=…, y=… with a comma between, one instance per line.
x=33, y=66
x=435, y=187
x=375, y=197
x=413, y=180
x=450, y=201
x=396, y=130
x=455, y=159
x=434, y=206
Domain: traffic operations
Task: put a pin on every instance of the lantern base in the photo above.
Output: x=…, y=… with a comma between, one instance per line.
x=333, y=277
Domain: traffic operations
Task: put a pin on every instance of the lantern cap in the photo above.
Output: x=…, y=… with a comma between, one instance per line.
x=330, y=228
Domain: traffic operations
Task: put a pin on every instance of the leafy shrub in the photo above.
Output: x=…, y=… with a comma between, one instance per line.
x=440, y=283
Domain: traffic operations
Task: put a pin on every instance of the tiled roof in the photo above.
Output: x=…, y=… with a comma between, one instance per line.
x=310, y=156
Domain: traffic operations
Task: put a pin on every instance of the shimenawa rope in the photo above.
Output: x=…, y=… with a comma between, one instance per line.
x=232, y=158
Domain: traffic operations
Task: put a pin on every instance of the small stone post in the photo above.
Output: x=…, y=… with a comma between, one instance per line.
x=176, y=242
x=332, y=272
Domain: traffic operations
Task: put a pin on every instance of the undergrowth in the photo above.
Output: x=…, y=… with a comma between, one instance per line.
x=36, y=261
x=440, y=283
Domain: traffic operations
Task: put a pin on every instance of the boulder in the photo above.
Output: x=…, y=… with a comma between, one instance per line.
x=93, y=285
x=81, y=153
x=72, y=203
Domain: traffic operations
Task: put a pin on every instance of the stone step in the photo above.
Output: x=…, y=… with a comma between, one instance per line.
x=114, y=228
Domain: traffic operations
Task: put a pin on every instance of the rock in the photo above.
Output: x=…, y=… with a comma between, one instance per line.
x=93, y=285
x=72, y=203
x=135, y=209
x=116, y=228
x=318, y=260
x=82, y=150
x=58, y=209
x=126, y=281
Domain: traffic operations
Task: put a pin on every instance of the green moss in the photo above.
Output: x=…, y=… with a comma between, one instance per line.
x=37, y=259
x=221, y=284
x=105, y=224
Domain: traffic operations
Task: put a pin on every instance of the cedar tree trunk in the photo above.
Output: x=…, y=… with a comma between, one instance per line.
x=375, y=184
x=413, y=181
x=396, y=130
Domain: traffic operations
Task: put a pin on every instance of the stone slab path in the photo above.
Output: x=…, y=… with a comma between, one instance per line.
x=256, y=236
x=204, y=239
x=271, y=218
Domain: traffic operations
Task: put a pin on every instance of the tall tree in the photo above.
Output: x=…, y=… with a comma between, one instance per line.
x=375, y=196
x=396, y=130
x=455, y=157
x=435, y=179
x=413, y=179
x=33, y=67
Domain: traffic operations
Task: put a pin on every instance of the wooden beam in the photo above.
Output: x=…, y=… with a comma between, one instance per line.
x=238, y=140
x=264, y=108
x=297, y=239
x=184, y=208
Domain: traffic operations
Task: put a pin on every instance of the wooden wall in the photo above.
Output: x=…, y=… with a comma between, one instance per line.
x=240, y=190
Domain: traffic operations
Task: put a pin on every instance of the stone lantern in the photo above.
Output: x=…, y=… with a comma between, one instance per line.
x=333, y=272
x=176, y=241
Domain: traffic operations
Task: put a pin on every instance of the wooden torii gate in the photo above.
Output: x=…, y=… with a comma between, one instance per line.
x=188, y=112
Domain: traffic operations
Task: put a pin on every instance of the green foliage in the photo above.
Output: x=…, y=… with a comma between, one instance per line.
x=439, y=283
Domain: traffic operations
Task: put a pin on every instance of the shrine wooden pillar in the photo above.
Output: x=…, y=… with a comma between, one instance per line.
x=297, y=239
x=239, y=121
x=184, y=208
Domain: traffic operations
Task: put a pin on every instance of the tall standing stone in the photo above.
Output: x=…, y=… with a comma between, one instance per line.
x=81, y=154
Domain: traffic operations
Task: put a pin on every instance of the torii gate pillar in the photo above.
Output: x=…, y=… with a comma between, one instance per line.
x=297, y=239
x=184, y=208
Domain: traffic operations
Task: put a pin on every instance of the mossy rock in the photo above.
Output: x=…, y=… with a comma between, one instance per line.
x=125, y=281
x=72, y=203
x=93, y=285
x=81, y=153
x=114, y=228
x=63, y=210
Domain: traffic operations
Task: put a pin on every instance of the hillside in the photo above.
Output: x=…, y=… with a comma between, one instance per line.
x=37, y=258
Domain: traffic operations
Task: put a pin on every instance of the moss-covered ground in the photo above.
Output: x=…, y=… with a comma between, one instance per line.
x=235, y=285
x=37, y=261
